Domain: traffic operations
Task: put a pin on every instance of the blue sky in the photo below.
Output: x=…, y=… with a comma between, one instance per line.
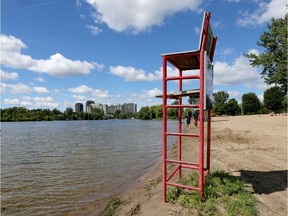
x=55, y=53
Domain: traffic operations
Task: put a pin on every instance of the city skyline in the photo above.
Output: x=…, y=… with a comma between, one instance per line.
x=90, y=104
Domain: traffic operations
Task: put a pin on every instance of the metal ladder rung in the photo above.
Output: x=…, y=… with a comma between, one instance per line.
x=182, y=134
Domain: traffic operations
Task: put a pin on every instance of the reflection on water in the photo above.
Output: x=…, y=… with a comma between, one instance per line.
x=61, y=168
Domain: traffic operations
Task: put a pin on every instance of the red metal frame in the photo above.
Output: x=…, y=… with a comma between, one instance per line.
x=183, y=61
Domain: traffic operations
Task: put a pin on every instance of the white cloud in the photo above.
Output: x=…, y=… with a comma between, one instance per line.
x=234, y=94
x=239, y=72
x=56, y=65
x=100, y=94
x=41, y=90
x=40, y=79
x=217, y=25
x=90, y=92
x=147, y=97
x=132, y=74
x=152, y=92
x=138, y=16
x=47, y=102
x=79, y=97
x=264, y=13
x=197, y=30
x=8, y=76
x=21, y=88
x=36, y=102
x=227, y=51
x=82, y=89
x=254, y=51
x=12, y=101
x=94, y=29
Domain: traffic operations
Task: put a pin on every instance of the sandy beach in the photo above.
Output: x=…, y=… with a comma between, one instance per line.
x=253, y=147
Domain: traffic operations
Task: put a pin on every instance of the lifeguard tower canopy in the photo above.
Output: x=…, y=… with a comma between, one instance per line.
x=200, y=61
x=188, y=59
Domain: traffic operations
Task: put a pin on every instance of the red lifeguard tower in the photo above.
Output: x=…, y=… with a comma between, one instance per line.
x=199, y=61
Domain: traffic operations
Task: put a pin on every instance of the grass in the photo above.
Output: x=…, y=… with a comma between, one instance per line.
x=111, y=207
x=224, y=195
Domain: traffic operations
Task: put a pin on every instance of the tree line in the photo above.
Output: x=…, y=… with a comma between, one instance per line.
x=24, y=114
x=274, y=101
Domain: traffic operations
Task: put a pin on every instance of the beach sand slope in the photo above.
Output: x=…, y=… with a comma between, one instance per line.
x=252, y=147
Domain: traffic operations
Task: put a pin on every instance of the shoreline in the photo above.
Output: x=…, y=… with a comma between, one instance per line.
x=228, y=135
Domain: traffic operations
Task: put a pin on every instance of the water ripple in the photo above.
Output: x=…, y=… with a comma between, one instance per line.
x=60, y=167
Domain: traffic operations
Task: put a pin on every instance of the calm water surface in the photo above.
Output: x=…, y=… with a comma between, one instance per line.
x=69, y=167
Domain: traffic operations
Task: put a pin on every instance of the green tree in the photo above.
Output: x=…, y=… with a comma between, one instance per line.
x=152, y=112
x=69, y=113
x=273, y=98
x=250, y=104
x=274, y=58
x=97, y=114
x=232, y=107
x=144, y=113
x=220, y=97
x=159, y=113
x=117, y=113
x=219, y=109
x=172, y=113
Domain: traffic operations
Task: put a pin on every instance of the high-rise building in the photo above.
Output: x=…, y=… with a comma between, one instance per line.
x=78, y=107
x=124, y=108
x=129, y=108
x=103, y=107
x=88, y=105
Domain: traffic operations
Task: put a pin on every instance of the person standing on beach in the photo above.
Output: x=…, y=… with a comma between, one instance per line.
x=188, y=119
x=196, y=117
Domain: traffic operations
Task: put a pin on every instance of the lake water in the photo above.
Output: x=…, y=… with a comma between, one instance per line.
x=71, y=167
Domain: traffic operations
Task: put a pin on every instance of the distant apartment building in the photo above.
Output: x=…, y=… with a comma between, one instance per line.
x=103, y=107
x=88, y=105
x=113, y=108
x=124, y=108
x=79, y=107
x=129, y=108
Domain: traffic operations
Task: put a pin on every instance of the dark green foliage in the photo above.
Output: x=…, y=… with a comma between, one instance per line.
x=250, y=104
x=23, y=114
x=144, y=113
x=274, y=59
x=96, y=114
x=233, y=107
x=222, y=107
x=220, y=97
x=155, y=112
x=273, y=98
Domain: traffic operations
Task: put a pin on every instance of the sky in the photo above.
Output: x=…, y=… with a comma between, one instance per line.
x=55, y=53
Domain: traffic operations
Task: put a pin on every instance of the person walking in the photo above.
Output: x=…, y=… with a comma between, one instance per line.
x=188, y=119
x=196, y=117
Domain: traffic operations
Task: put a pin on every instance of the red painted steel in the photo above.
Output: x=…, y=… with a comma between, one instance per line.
x=191, y=60
x=164, y=112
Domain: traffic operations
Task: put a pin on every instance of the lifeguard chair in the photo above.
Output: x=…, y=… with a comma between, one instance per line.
x=199, y=61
